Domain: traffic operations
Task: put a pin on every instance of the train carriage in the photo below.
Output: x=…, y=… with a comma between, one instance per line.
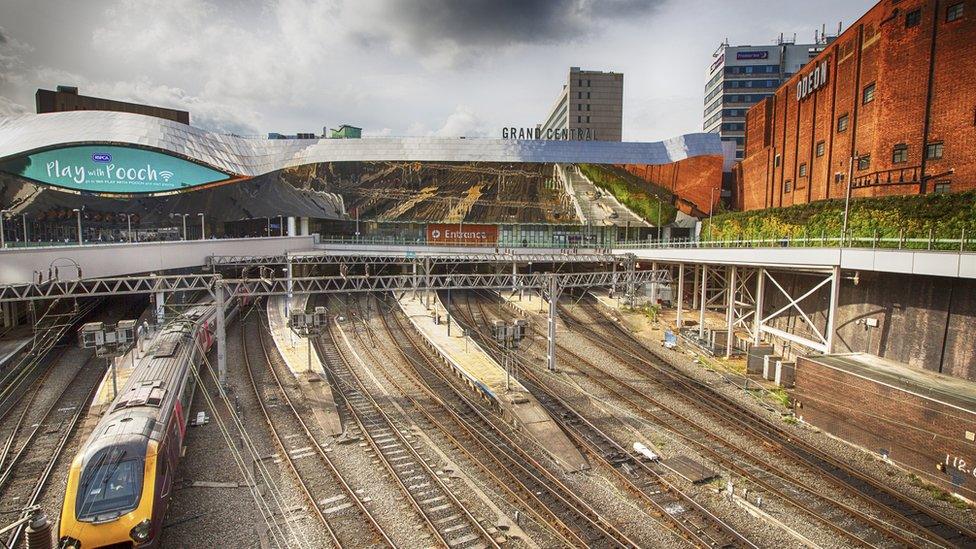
x=120, y=481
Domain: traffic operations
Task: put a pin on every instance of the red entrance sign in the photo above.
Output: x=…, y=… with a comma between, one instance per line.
x=444, y=234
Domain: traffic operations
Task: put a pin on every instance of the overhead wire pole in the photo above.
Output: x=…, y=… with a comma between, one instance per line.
x=551, y=332
x=218, y=291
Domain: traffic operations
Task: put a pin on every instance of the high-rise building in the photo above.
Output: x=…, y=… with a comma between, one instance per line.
x=66, y=98
x=590, y=107
x=741, y=76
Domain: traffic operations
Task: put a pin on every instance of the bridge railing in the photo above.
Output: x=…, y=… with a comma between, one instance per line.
x=963, y=243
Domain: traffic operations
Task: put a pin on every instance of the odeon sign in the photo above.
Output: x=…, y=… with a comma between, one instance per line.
x=112, y=170
x=812, y=82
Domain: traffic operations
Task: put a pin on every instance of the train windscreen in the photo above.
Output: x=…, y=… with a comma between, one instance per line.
x=111, y=484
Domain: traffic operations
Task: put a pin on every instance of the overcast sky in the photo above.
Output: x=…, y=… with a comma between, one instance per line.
x=393, y=67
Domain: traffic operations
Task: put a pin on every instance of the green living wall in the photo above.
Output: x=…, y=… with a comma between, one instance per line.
x=641, y=197
x=943, y=216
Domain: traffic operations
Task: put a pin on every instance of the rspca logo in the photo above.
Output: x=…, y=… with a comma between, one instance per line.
x=103, y=158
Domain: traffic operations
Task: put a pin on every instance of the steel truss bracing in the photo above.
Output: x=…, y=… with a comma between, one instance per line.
x=821, y=341
x=331, y=258
x=239, y=287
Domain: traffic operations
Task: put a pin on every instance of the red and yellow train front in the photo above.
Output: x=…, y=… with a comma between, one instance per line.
x=111, y=496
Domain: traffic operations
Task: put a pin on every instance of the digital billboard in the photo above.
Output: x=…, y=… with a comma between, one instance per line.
x=112, y=170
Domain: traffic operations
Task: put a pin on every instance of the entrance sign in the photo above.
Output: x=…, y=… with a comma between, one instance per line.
x=112, y=169
x=450, y=233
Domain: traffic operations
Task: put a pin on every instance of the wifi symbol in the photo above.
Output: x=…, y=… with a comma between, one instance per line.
x=166, y=175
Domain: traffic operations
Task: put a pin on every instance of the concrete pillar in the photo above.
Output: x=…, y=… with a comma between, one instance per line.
x=681, y=294
x=221, y=333
x=7, y=320
x=304, y=226
x=730, y=317
x=757, y=318
x=291, y=226
x=701, y=301
x=694, y=291
x=290, y=269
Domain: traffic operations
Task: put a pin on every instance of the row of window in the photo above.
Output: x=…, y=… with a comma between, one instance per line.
x=899, y=155
x=733, y=126
x=580, y=83
x=729, y=84
x=752, y=69
x=941, y=186
x=579, y=95
x=724, y=113
x=579, y=119
x=579, y=106
x=745, y=97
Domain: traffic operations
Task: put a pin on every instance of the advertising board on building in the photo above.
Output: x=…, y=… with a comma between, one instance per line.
x=451, y=233
x=812, y=81
x=748, y=55
x=112, y=169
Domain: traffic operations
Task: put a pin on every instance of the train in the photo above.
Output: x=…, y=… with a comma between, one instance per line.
x=121, y=479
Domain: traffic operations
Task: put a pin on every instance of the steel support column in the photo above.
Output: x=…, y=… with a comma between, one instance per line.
x=654, y=285
x=730, y=317
x=701, y=302
x=551, y=332
x=160, y=307
x=681, y=294
x=832, y=311
x=694, y=291
x=760, y=293
x=221, y=332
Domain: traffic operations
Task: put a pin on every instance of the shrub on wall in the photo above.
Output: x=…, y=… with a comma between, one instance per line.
x=632, y=192
x=891, y=217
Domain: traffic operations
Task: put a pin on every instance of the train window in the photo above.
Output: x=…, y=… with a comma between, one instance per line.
x=111, y=485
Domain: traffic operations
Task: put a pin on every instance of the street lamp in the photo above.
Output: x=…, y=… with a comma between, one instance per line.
x=128, y=221
x=203, y=227
x=184, y=216
x=110, y=342
x=711, y=206
x=24, y=217
x=847, y=197
x=78, y=213
x=3, y=241
x=308, y=323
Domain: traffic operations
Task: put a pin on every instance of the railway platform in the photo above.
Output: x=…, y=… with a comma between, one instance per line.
x=12, y=344
x=307, y=368
x=487, y=377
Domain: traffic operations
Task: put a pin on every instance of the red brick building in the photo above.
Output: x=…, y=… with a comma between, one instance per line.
x=896, y=92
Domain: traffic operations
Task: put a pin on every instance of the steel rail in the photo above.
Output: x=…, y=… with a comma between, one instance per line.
x=703, y=527
x=913, y=514
x=589, y=529
x=292, y=412
x=371, y=418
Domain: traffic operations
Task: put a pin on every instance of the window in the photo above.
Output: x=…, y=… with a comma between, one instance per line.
x=913, y=18
x=579, y=119
x=580, y=82
x=933, y=151
x=579, y=95
x=803, y=169
x=587, y=95
x=839, y=177
x=587, y=119
x=941, y=187
x=587, y=106
x=587, y=83
x=900, y=154
x=954, y=12
x=788, y=186
x=864, y=162
x=868, y=95
x=842, y=123
x=579, y=106
x=820, y=148
x=776, y=160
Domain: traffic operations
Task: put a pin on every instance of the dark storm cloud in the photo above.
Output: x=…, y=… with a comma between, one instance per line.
x=507, y=22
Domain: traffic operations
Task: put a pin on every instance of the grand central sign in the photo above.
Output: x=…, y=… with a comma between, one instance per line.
x=551, y=134
x=112, y=169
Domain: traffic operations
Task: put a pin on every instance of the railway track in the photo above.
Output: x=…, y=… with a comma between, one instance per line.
x=853, y=524
x=531, y=484
x=29, y=469
x=916, y=522
x=644, y=478
x=334, y=503
x=448, y=519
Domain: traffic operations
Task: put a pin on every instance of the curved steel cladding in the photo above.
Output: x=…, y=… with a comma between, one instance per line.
x=239, y=157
